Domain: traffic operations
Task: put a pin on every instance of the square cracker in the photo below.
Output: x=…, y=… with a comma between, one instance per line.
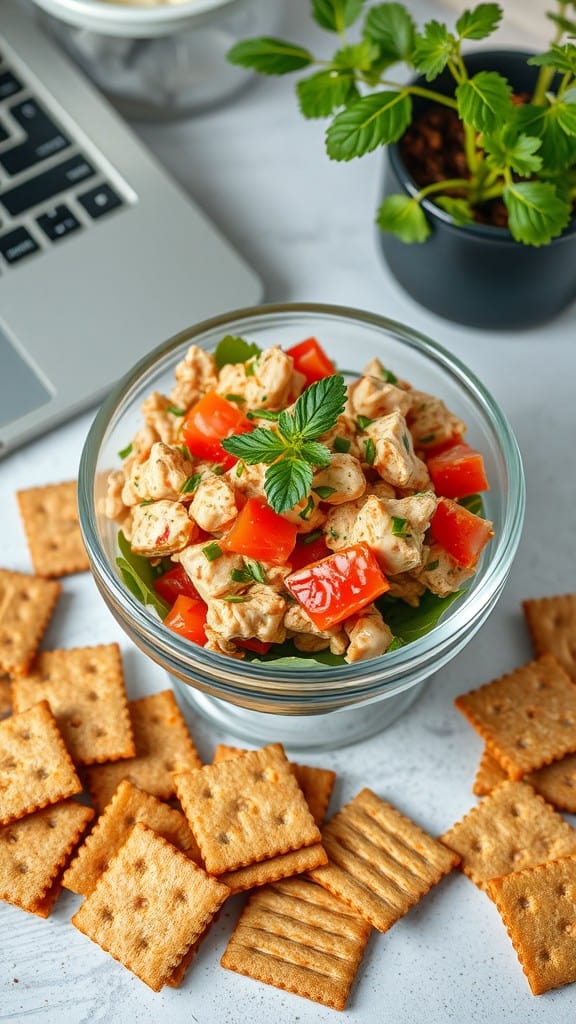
x=511, y=829
x=128, y=805
x=316, y=783
x=246, y=810
x=50, y=518
x=380, y=862
x=489, y=774
x=556, y=782
x=35, y=767
x=163, y=746
x=85, y=690
x=33, y=852
x=551, y=623
x=537, y=908
x=298, y=937
x=150, y=906
x=26, y=605
x=526, y=718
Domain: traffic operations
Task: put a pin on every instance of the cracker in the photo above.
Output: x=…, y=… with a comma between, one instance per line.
x=163, y=746
x=489, y=774
x=380, y=862
x=26, y=605
x=246, y=810
x=316, y=783
x=511, y=829
x=33, y=852
x=5, y=698
x=50, y=518
x=85, y=690
x=526, y=718
x=128, y=805
x=284, y=865
x=298, y=937
x=551, y=623
x=556, y=782
x=150, y=906
x=35, y=767
x=537, y=907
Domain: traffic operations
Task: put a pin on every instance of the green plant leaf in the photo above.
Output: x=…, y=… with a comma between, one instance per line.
x=336, y=15
x=358, y=57
x=234, y=350
x=322, y=93
x=259, y=445
x=372, y=121
x=566, y=116
x=484, y=101
x=536, y=213
x=393, y=29
x=139, y=574
x=433, y=48
x=480, y=22
x=566, y=24
x=315, y=453
x=562, y=58
x=474, y=504
x=558, y=149
x=459, y=209
x=403, y=217
x=270, y=56
x=318, y=407
x=408, y=623
x=507, y=149
x=287, y=482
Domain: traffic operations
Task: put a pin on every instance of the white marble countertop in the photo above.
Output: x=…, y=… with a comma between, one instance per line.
x=259, y=170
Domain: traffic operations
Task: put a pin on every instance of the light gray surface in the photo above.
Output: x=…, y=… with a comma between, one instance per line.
x=306, y=225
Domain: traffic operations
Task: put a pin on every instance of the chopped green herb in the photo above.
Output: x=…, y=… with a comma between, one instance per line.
x=238, y=399
x=369, y=451
x=191, y=484
x=341, y=444
x=324, y=492
x=217, y=469
x=250, y=368
x=212, y=551
x=263, y=414
x=235, y=598
x=311, y=537
x=428, y=439
x=308, y=510
x=473, y=503
x=406, y=442
x=363, y=421
x=253, y=572
x=234, y=350
x=388, y=376
x=125, y=452
x=147, y=501
x=240, y=469
x=186, y=452
x=175, y=410
x=432, y=565
x=399, y=526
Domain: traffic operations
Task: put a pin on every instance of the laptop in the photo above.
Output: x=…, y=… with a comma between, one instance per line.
x=102, y=255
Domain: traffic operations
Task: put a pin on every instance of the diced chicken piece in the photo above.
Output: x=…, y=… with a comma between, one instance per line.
x=114, y=507
x=162, y=528
x=195, y=375
x=307, y=514
x=430, y=422
x=308, y=637
x=343, y=480
x=162, y=475
x=441, y=573
x=381, y=489
x=376, y=368
x=249, y=480
x=374, y=397
x=157, y=415
x=394, y=457
x=212, y=578
x=394, y=529
x=417, y=509
x=267, y=385
x=140, y=448
x=340, y=523
x=275, y=575
x=343, y=435
x=405, y=586
x=369, y=635
x=259, y=615
x=213, y=505
x=217, y=643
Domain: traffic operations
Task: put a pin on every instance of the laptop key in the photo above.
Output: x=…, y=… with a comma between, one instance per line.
x=100, y=200
x=58, y=222
x=9, y=85
x=17, y=244
x=44, y=138
x=44, y=186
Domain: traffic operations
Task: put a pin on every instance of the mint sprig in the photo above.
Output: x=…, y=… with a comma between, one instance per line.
x=291, y=448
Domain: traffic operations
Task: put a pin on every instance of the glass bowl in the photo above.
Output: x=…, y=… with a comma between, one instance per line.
x=319, y=706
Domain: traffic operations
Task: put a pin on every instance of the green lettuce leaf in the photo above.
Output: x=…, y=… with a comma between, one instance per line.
x=139, y=574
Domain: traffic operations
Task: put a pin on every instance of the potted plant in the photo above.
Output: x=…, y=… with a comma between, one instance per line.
x=477, y=219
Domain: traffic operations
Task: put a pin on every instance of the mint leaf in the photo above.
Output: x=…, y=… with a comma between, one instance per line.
x=480, y=22
x=506, y=148
x=315, y=453
x=319, y=406
x=270, y=56
x=558, y=148
x=459, y=210
x=484, y=101
x=287, y=482
x=433, y=49
x=336, y=15
x=393, y=29
x=403, y=217
x=322, y=93
x=234, y=350
x=372, y=121
x=536, y=213
x=408, y=623
x=259, y=445
x=357, y=57
x=138, y=575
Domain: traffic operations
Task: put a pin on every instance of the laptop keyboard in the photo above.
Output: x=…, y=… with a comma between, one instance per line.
x=49, y=188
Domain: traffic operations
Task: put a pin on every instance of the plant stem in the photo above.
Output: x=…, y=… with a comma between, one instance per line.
x=546, y=74
x=442, y=186
x=430, y=94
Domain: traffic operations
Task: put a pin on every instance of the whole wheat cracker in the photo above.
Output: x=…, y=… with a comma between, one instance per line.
x=556, y=782
x=510, y=829
x=26, y=606
x=163, y=746
x=537, y=908
x=527, y=718
x=551, y=623
x=128, y=805
x=50, y=518
x=35, y=767
x=33, y=851
x=86, y=692
x=380, y=862
x=150, y=906
x=298, y=937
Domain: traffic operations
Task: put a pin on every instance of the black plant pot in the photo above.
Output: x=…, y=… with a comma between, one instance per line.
x=479, y=275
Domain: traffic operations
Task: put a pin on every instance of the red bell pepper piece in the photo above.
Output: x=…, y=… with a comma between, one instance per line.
x=208, y=422
x=461, y=533
x=458, y=471
x=338, y=586
x=311, y=360
x=187, y=616
x=174, y=582
x=259, y=532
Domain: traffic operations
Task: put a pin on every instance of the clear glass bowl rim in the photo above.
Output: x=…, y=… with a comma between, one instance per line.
x=360, y=681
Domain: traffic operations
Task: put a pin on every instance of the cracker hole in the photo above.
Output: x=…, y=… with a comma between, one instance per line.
x=223, y=838
x=522, y=743
x=561, y=890
x=21, y=868
x=91, y=668
x=99, y=732
x=11, y=837
x=514, y=811
x=51, y=823
x=541, y=684
x=523, y=903
x=568, y=723
x=531, y=713
x=544, y=955
x=106, y=914
x=129, y=820
x=260, y=776
x=41, y=773
x=140, y=865
x=207, y=793
x=476, y=846
x=141, y=942
x=180, y=896
x=496, y=709
x=8, y=765
x=140, y=903
x=169, y=766
x=280, y=819
x=242, y=804
x=92, y=695
x=102, y=866
x=25, y=735
x=75, y=722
